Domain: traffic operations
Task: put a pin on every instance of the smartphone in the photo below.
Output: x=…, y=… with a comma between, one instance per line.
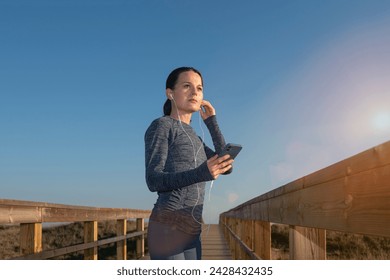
x=231, y=149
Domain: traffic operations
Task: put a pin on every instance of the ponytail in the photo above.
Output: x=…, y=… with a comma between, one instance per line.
x=167, y=107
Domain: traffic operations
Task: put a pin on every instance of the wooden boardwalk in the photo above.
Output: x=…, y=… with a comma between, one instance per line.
x=214, y=246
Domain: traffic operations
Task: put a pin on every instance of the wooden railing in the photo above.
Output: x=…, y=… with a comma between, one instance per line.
x=350, y=196
x=31, y=215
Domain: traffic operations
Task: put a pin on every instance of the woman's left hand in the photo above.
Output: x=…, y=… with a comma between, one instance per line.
x=206, y=109
x=219, y=165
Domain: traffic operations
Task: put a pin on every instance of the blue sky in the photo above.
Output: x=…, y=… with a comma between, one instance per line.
x=300, y=84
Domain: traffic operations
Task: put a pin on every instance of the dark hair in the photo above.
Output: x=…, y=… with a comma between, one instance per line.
x=171, y=83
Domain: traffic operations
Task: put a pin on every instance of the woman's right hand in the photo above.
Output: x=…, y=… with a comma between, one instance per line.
x=219, y=165
x=208, y=109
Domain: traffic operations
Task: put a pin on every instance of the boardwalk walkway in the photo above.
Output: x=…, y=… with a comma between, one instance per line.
x=214, y=246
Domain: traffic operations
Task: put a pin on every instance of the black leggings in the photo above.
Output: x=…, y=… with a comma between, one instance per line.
x=165, y=242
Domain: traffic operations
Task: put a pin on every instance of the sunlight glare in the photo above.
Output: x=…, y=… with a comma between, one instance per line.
x=381, y=121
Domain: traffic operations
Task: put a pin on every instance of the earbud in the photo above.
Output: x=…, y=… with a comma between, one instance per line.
x=171, y=95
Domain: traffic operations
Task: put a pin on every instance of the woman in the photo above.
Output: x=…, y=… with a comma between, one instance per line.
x=178, y=164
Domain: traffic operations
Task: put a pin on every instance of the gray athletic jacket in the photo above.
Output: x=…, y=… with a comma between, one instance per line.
x=176, y=168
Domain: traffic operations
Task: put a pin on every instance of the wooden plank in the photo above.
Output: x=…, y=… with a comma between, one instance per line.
x=90, y=235
x=47, y=254
x=13, y=202
x=214, y=245
x=247, y=236
x=140, y=244
x=19, y=211
x=307, y=243
x=262, y=239
x=238, y=228
x=233, y=241
x=93, y=214
x=121, y=246
x=10, y=214
x=30, y=238
x=375, y=157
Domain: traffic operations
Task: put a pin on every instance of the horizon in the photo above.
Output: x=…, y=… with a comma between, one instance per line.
x=300, y=85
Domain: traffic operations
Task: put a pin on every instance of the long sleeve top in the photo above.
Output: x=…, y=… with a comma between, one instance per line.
x=176, y=168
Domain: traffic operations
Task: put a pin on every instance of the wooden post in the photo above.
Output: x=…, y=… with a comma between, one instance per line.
x=90, y=235
x=241, y=233
x=121, y=246
x=232, y=239
x=30, y=238
x=307, y=243
x=262, y=239
x=141, y=240
x=237, y=231
x=233, y=248
x=247, y=236
x=228, y=235
x=226, y=232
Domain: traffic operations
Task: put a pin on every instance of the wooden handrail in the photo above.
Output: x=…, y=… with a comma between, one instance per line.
x=351, y=196
x=30, y=215
x=17, y=211
x=79, y=247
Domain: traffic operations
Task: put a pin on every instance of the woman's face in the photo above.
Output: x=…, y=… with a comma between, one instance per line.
x=188, y=92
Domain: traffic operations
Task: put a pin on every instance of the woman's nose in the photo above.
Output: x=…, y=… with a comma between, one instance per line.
x=195, y=91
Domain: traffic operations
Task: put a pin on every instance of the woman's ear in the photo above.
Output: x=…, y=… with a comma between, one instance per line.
x=169, y=93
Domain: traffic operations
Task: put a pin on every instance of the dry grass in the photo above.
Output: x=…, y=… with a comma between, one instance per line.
x=339, y=245
x=356, y=247
x=65, y=235
x=9, y=242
